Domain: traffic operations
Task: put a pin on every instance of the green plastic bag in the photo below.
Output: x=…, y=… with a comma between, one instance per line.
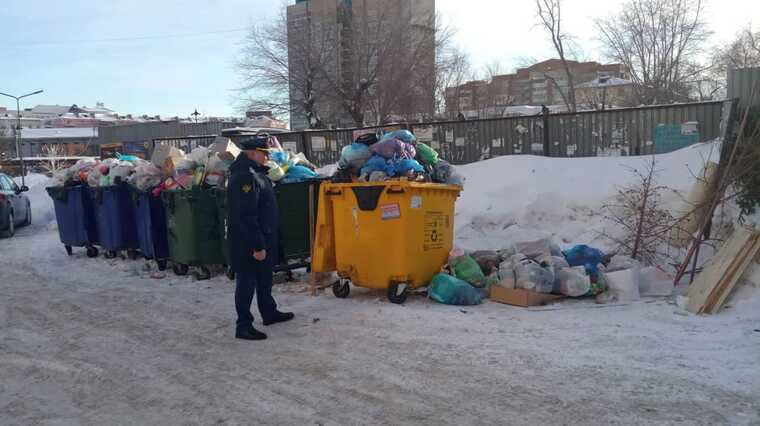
x=426, y=154
x=452, y=291
x=467, y=269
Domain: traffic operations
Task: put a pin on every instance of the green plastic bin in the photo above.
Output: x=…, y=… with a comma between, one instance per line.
x=195, y=229
x=298, y=212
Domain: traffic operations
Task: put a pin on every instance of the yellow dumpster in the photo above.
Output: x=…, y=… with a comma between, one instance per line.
x=392, y=235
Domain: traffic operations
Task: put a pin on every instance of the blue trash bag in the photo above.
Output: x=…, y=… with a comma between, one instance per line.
x=583, y=255
x=406, y=165
x=404, y=135
x=378, y=164
x=444, y=172
x=451, y=290
x=299, y=174
x=354, y=156
x=127, y=157
x=279, y=157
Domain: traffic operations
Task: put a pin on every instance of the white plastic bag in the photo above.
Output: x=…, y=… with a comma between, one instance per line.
x=623, y=285
x=199, y=155
x=573, y=281
x=539, y=250
x=506, y=270
x=532, y=276
x=621, y=263
x=558, y=263
x=654, y=282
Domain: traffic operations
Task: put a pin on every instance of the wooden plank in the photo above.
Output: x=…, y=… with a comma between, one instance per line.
x=720, y=294
x=716, y=268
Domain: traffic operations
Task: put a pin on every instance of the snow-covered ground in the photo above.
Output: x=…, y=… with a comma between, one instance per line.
x=87, y=341
x=516, y=198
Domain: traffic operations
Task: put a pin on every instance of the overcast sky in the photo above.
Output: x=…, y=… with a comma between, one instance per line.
x=169, y=57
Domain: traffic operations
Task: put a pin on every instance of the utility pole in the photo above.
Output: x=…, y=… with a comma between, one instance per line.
x=19, y=154
x=196, y=114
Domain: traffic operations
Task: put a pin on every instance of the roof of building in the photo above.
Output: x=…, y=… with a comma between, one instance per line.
x=51, y=109
x=605, y=82
x=59, y=133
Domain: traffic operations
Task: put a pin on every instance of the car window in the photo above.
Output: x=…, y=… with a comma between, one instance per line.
x=4, y=184
x=11, y=183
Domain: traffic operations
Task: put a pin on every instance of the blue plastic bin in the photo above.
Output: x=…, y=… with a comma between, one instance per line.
x=75, y=216
x=150, y=222
x=115, y=219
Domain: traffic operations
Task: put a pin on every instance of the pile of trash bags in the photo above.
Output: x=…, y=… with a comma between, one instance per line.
x=172, y=169
x=288, y=167
x=541, y=266
x=395, y=155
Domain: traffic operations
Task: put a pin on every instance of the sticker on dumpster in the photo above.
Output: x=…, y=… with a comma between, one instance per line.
x=436, y=225
x=390, y=211
x=416, y=202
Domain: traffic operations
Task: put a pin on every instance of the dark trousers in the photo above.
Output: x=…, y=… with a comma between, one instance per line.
x=256, y=281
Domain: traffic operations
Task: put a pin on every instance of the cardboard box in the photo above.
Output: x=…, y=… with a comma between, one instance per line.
x=226, y=149
x=520, y=297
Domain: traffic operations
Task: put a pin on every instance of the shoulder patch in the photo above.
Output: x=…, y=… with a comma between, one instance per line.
x=247, y=188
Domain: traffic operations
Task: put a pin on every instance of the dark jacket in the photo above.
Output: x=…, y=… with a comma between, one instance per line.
x=252, y=218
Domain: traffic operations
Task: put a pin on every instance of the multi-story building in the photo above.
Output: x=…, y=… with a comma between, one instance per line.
x=604, y=92
x=541, y=84
x=467, y=97
x=331, y=34
x=8, y=122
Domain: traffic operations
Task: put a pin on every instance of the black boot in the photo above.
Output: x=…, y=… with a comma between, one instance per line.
x=250, y=334
x=279, y=317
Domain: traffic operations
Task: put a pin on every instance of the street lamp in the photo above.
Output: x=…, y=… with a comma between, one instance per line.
x=18, y=129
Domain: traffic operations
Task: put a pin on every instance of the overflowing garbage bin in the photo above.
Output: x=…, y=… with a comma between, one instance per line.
x=150, y=223
x=392, y=235
x=195, y=229
x=75, y=216
x=115, y=219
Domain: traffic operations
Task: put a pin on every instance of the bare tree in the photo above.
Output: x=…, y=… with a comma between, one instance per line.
x=550, y=15
x=742, y=52
x=388, y=63
x=659, y=41
x=645, y=223
x=282, y=74
x=452, y=70
x=53, y=153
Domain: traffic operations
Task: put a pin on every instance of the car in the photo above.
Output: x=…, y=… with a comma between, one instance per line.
x=15, y=208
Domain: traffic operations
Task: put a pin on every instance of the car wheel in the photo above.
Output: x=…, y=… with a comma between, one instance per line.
x=28, y=220
x=11, y=230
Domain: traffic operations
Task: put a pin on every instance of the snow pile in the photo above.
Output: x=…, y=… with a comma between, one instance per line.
x=516, y=198
x=42, y=205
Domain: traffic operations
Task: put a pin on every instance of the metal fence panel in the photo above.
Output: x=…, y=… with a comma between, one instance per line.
x=742, y=83
x=629, y=131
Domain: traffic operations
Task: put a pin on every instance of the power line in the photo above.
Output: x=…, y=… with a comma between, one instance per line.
x=121, y=39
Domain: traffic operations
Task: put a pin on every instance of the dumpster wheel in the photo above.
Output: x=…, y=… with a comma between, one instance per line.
x=202, y=274
x=161, y=264
x=397, y=292
x=341, y=288
x=92, y=251
x=180, y=269
x=69, y=250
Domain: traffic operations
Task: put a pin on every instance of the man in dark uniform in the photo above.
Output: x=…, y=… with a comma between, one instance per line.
x=253, y=237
